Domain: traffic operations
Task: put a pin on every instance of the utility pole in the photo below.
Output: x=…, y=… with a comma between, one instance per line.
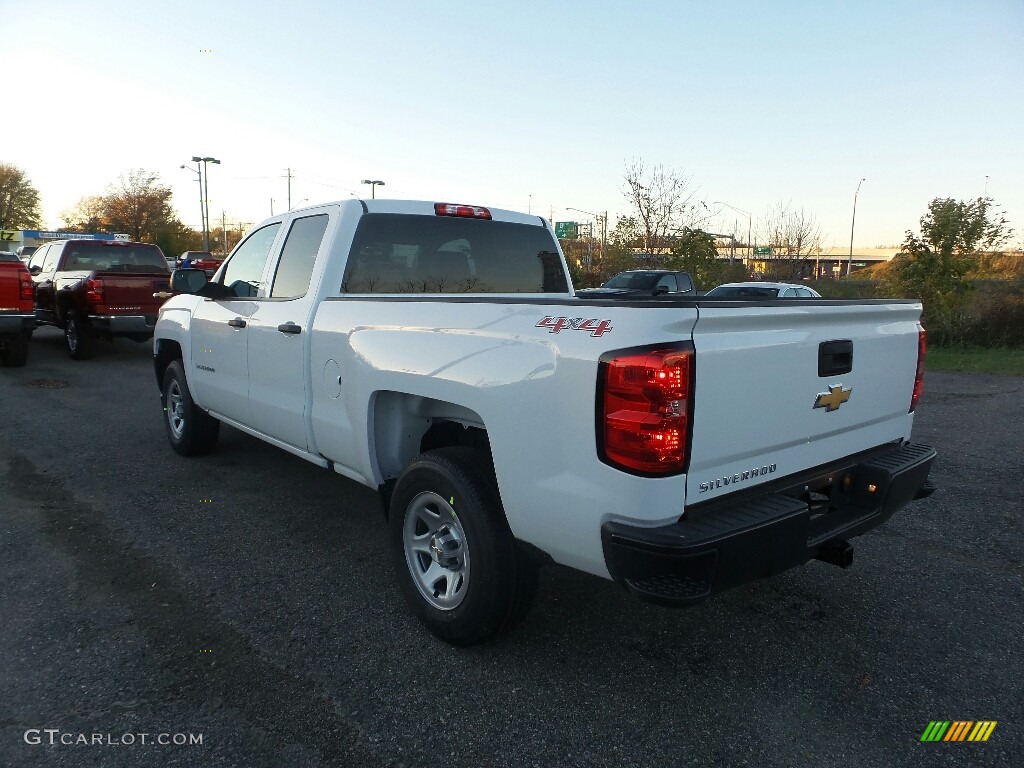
x=603, y=219
x=224, y=231
x=288, y=171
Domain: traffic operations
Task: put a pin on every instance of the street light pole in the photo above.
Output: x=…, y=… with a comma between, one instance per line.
x=853, y=220
x=373, y=186
x=206, y=194
x=198, y=170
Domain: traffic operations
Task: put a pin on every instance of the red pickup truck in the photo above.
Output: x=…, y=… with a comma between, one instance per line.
x=16, y=317
x=99, y=289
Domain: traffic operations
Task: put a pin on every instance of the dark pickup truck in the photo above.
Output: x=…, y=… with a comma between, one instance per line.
x=16, y=318
x=99, y=289
x=637, y=284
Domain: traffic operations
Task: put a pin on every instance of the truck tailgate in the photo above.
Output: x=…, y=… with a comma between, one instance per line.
x=773, y=396
x=132, y=294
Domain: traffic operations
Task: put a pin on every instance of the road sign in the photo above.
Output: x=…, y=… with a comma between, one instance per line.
x=565, y=230
x=763, y=251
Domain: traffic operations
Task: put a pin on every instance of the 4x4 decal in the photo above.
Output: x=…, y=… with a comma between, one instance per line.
x=592, y=326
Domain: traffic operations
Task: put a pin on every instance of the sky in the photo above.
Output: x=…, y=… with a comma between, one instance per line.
x=532, y=106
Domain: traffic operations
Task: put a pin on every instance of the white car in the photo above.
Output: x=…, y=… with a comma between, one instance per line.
x=762, y=290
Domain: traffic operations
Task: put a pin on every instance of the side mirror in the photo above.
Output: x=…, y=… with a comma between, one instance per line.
x=661, y=290
x=188, y=280
x=35, y=270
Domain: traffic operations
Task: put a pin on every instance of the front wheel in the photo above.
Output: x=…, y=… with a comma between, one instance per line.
x=455, y=557
x=190, y=429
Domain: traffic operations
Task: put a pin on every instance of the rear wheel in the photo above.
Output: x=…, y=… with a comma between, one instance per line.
x=190, y=429
x=79, y=339
x=14, y=351
x=455, y=557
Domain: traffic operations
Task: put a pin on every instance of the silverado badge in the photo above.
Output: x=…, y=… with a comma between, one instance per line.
x=832, y=399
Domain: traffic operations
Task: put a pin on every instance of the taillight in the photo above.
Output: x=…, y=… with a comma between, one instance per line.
x=645, y=409
x=25, y=285
x=94, y=290
x=464, y=211
x=919, y=376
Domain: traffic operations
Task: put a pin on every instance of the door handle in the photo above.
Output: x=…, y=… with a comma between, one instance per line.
x=237, y=323
x=289, y=327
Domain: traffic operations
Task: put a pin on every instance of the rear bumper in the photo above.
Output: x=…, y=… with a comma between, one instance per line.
x=17, y=324
x=124, y=325
x=729, y=544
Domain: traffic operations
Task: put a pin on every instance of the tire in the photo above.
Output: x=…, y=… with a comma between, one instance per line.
x=190, y=429
x=454, y=555
x=79, y=339
x=14, y=351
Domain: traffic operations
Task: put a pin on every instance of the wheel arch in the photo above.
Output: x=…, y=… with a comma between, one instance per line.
x=403, y=426
x=165, y=352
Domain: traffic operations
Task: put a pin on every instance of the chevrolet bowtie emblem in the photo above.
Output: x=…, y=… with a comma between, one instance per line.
x=832, y=399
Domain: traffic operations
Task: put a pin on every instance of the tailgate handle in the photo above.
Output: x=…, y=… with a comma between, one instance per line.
x=835, y=357
x=237, y=323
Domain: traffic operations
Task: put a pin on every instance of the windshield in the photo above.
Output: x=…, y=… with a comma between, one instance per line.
x=114, y=257
x=743, y=292
x=634, y=281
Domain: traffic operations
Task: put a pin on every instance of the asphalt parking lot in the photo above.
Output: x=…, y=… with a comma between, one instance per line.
x=244, y=598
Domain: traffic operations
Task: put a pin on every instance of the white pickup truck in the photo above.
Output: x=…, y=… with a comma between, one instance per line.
x=437, y=352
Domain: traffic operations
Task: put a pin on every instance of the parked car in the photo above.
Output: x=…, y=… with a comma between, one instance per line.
x=642, y=283
x=99, y=289
x=25, y=252
x=761, y=290
x=16, y=318
x=203, y=260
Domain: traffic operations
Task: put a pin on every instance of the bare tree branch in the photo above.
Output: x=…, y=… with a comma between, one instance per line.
x=662, y=200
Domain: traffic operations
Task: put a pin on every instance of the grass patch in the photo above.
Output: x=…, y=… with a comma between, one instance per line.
x=976, y=360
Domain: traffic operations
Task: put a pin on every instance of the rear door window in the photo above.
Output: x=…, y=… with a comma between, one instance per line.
x=402, y=253
x=295, y=267
x=669, y=282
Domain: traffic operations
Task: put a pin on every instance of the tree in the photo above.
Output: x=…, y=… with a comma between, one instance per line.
x=932, y=267
x=662, y=200
x=139, y=205
x=19, y=200
x=964, y=227
x=87, y=215
x=793, y=236
x=696, y=252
